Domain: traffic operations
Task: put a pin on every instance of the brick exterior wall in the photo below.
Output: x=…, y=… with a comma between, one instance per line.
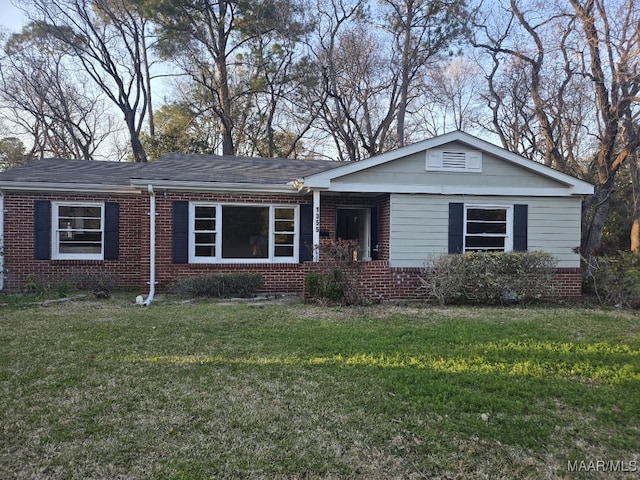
x=568, y=283
x=376, y=279
x=20, y=265
x=379, y=282
x=278, y=277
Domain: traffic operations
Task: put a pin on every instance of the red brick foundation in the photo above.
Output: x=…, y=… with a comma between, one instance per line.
x=380, y=283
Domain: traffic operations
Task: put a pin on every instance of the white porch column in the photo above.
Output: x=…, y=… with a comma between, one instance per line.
x=316, y=226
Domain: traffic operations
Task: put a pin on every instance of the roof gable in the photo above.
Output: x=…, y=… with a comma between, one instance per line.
x=555, y=183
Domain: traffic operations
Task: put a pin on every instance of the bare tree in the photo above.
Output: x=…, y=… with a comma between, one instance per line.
x=583, y=97
x=375, y=59
x=449, y=98
x=332, y=20
x=45, y=99
x=133, y=19
x=108, y=46
x=422, y=32
x=361, y=92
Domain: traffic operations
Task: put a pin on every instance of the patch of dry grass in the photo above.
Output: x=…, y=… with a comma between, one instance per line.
x=110, y=390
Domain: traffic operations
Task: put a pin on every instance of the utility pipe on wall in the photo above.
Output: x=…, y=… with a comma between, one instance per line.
x=152, y=246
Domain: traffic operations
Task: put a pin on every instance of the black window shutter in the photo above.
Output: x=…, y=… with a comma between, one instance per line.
x=374, y=234
x=306, y=233
x=180, y=231
x=520, y=214
x=42, y=230
x=456, y=227
x=111, y=230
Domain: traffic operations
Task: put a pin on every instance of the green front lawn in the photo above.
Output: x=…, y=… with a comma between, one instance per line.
x=108, y=389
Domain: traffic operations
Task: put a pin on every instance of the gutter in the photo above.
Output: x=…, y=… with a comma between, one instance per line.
x=152, y=246
x=180, y=186
x=66, y=187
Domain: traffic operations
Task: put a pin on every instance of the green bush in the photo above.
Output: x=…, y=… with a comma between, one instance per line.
x=326, y=287
x=101, y=284
x=218, y=285
x=489, y=278
x=615, y=279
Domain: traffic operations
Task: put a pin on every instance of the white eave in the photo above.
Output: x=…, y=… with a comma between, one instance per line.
x=67, y=187
x=182, y=186
x=453, y=190
x=323, y=181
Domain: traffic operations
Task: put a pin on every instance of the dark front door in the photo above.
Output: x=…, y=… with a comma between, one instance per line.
x=355, y=224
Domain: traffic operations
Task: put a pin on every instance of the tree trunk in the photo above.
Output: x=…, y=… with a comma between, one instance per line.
x=139, y=153
x=147, y=81
x=595, y=211
x=224, y=92
x=635, y=234
x=404, y=75
x=635, y=225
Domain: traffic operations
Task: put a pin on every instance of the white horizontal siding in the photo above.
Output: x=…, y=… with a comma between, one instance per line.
x=420, y=226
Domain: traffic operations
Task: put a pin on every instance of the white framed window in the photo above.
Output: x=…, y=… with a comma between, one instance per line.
x=488, y=228
x=77, y=231
x=242, y=233
x=204, y=219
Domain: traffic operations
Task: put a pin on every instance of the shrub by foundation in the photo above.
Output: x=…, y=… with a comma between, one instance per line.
x=218, y=285
x=101, y=284
x=338, y=277
x=326, y=286
x=614, y=279
x=489, y=278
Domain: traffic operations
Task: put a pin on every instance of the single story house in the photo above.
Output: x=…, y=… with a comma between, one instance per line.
x=185, y=215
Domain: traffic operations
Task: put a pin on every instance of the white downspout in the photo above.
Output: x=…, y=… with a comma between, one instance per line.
x=152, y=246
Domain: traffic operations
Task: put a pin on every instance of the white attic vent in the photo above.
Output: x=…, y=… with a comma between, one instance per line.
x=454, y=161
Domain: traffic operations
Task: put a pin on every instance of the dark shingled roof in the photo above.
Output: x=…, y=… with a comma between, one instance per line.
x=227, y=169
x=58, y=170
x=172, y=167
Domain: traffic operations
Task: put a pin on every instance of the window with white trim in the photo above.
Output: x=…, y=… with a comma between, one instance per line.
x=78, y=231
x=205, y=230
x=242, y=233
x=488, y=228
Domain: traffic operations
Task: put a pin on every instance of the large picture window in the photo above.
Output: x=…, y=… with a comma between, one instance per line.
x=78, y=231
x=488, y=228
x=242, y=233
